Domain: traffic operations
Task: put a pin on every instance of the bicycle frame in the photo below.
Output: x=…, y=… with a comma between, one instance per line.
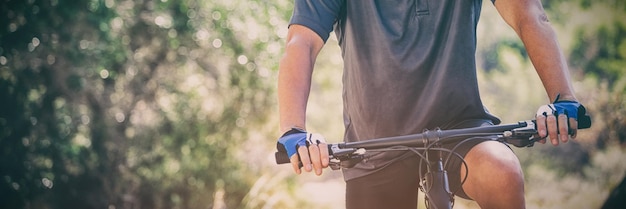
x=348, y=154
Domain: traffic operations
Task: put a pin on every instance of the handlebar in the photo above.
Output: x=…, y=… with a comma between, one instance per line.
x=520, y=134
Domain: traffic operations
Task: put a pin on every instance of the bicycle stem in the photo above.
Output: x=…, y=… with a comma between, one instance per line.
x=438, y=190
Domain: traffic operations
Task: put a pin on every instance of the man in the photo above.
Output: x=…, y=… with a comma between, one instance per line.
x=410, y=66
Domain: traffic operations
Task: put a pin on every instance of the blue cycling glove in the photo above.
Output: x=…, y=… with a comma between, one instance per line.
x=569, y=108
x=572, y=109
x=291, y=140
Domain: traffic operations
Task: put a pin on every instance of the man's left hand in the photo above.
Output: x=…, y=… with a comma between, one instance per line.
x=559, y=121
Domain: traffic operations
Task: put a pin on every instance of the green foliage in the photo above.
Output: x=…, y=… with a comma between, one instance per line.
x=603, y=54
x=132, y=104
x=492, y=55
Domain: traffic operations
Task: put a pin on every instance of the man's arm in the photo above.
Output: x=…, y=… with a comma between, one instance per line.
x=294, y=84
x=528, y=19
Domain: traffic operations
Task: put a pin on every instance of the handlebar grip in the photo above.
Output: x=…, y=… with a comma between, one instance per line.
x=281, y=157
x=584, y=121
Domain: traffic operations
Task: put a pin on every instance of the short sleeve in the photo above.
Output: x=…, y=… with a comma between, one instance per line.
x=317, y=15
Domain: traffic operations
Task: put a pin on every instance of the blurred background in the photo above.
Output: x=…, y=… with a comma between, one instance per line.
x=171, y=104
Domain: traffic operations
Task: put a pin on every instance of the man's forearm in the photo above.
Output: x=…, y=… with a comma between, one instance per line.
x=530, y=22
x=546, y=55
x=294, y=83
x=294, y=76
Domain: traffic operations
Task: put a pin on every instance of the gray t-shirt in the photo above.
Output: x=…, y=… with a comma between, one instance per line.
x=409, y=65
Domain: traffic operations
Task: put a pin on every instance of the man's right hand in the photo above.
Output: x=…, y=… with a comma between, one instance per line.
x=310, y=149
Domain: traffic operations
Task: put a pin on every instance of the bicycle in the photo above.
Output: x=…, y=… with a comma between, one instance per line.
x=424, y=145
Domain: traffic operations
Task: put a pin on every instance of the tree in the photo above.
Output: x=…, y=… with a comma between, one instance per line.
x=130, y=104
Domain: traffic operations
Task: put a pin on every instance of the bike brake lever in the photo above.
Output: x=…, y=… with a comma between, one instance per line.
x=344, y=157
x=522, y=137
